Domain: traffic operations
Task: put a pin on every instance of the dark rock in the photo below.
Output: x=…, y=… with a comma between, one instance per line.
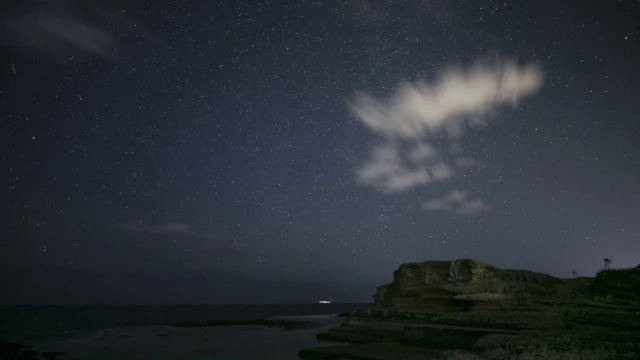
x=374, y=351
x=10, y=348
x=446, y=337
x=357, y=334
x=30, y=354
x=52, y=355
x=16, y=351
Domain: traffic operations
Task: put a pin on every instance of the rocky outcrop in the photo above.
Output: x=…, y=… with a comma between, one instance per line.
x=16, y=351
x=445, y=310
x=451, y=286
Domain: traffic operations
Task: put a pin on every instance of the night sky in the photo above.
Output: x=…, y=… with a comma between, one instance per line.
x=295, y=151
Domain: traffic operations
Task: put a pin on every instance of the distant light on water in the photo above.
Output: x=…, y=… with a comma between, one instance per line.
x=324, y=302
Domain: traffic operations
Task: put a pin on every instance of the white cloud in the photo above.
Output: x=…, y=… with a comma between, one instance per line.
x=422, y=152
x=457, y=97
x=457, y=201
x=444, y=108
x=387, y=171
x=472, y=207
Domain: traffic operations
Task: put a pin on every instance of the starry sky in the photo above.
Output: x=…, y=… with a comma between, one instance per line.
x=293, y=151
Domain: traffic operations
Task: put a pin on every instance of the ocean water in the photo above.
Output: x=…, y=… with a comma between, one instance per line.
x=69, y=323
x=245, y=342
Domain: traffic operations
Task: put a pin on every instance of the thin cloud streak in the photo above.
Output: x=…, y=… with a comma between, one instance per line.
x=458, y=202
x=63, y=29
x=42, y=31
x=166, y=228
x=205, y=240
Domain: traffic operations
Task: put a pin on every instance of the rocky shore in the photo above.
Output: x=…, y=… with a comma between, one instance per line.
x=16, y=351
x=467, y=309
x=271, y=338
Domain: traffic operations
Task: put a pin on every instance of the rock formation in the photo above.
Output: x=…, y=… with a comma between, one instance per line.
x=467, y=309
x=445, y=285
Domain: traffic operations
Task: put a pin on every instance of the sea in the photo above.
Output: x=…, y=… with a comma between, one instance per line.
x=42, y=323
x=135, y=332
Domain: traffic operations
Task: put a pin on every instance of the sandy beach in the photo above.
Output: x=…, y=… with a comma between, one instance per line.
x=206, y=343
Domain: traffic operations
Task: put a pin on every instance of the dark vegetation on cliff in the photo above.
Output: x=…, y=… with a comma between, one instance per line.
x=618, y=284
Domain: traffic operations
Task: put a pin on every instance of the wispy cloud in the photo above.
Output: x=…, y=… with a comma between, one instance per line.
x=456, y=201
x=457, y=98
x=463, y=162
x=166, y=228
x=388, y=171
x=43, y=31
x=203, y=239
x=64, y=28
x=460, y=98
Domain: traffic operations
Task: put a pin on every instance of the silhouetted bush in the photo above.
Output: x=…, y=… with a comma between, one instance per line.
x=619, y=284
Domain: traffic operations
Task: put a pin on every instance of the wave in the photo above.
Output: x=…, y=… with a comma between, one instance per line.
x=86, y=337
x=321, y=316
x=98, y=334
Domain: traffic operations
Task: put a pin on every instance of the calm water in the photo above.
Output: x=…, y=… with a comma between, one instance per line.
x=42, y=323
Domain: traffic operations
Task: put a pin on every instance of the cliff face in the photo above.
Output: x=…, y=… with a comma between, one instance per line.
x=454, y=285
x=467, y=309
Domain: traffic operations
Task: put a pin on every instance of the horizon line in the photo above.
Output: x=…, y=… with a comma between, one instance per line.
x=192, y=304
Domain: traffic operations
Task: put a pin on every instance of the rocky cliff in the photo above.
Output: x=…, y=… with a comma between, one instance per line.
x=467, y=309
x=454, y=285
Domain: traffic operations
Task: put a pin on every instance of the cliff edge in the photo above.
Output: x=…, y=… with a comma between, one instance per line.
x=468, y=309
x=453, y=285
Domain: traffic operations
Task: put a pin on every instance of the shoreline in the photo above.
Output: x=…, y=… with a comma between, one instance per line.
x=278, y=337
